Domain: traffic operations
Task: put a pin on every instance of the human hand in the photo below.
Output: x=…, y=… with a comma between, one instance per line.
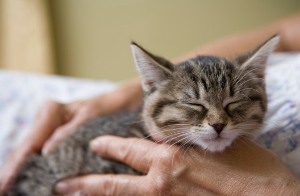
x=75, y=114
x=242, y=169
x=55, y=121
x=127, y=97
x=48, y=118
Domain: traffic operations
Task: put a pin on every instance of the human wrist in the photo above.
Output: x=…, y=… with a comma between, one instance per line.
x=286, y=41
x=32, y=144
x=132, y=92
x=26, y=148
x=127, y=96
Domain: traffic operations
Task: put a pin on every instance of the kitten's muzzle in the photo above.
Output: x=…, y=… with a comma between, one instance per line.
x=218, y=127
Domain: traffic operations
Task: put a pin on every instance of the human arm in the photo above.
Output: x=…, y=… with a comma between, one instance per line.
x=240, y=43
x=243, y=169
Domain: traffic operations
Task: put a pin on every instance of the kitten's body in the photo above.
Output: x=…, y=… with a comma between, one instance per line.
x=74, y=157
x=207, y=101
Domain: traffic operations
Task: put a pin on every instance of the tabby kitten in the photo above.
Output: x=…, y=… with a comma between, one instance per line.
x=206, y=101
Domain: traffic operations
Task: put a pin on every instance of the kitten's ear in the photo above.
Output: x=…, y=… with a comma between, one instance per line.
x=152, y=69
x=256, y=60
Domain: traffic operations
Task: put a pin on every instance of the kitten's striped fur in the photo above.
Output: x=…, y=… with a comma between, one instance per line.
x=208, y=101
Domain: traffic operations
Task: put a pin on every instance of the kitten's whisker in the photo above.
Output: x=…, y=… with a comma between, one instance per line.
x=148, y=136
x=173, y=145
x=177, y=135
x=247, y=133
x=159, y=132
x=259, y=139
x=244, y=125
x=248, y=81
x=238, y=76
x=279, y=132
x=181, y=145
x=246, y=89
x=186, y=133
x=246, y=144
x=193, y=141
x=134, y=122
x=278, y=126
x=245, y=75
x=155, y=142
x=205, y=151
x=155, y=150
x=245, y=96
x=256, y=138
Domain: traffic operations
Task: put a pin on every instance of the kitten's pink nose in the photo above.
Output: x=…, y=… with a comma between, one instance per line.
x=218, y=127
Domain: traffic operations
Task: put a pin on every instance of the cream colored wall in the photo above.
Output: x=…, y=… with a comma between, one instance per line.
x=93, y=36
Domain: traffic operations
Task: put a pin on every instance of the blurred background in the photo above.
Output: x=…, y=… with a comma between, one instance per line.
x=90, y=38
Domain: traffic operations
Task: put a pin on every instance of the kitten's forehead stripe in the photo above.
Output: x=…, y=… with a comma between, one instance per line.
x=207, y=72
x=204, y=84
x=190, y=71
x=231, y=91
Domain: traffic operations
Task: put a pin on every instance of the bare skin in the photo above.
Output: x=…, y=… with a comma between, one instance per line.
x=56, y=121
x=229, y=47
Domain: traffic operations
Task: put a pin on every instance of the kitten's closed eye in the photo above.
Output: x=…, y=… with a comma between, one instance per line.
x=234, y=105
x=193, y=104
x=196, y=104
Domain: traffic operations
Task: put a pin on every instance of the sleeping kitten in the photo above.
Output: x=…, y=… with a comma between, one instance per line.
x=207, y=101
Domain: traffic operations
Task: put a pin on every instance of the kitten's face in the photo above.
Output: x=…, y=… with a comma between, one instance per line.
x=207, y=101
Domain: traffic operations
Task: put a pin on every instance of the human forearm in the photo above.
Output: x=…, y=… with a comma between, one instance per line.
x=231, y=46
x=127, y=96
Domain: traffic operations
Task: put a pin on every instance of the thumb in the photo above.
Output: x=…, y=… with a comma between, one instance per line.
x=95, y=185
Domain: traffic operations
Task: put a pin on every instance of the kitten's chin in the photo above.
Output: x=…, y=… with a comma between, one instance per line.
x=215, y=145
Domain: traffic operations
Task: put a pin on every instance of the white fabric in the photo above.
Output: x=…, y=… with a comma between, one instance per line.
x=282, y=125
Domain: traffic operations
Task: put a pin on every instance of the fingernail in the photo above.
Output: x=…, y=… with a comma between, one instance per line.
x=45, y=152
x=61, y=188
x=95, y=144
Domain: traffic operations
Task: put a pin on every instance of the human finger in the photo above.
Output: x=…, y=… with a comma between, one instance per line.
x=58, y=136
x=95, y=185
x=131, y=151
x=77, y=114
x=11, y=168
